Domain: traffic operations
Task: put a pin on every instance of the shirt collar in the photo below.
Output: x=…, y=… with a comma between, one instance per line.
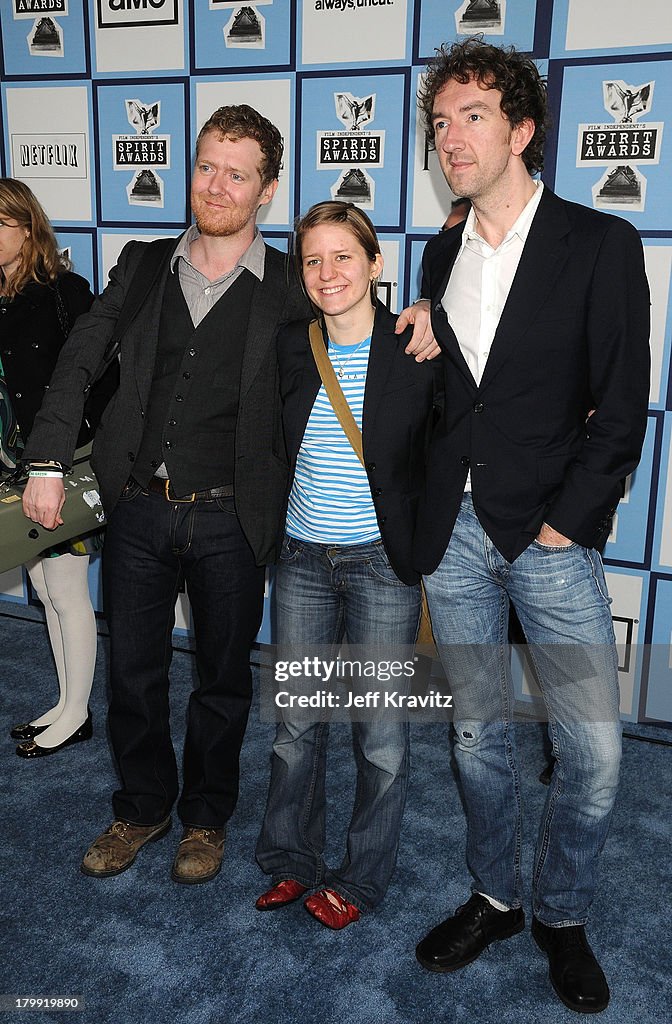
x=521, y=227
x=253, y=259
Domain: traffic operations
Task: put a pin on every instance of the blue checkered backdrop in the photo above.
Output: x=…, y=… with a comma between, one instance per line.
x=101, y=102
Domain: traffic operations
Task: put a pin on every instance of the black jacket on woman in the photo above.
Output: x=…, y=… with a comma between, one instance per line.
x=400, y=406
x=31, y=338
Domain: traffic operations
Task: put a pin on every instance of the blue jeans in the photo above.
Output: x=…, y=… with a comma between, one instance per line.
x=325, y=594
x=561, y=599
x=152, y=548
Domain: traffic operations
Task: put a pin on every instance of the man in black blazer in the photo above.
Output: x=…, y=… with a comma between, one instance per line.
x=541, y=308
x=193, y=474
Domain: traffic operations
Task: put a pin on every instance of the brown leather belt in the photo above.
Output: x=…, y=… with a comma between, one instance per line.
x=157, y=485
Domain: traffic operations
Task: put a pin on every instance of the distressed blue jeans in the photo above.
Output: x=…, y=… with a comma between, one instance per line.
x=325, y=594
x=560, y=596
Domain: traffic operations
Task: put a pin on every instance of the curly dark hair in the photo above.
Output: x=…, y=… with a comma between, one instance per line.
x=504, y=68
x=244, y=122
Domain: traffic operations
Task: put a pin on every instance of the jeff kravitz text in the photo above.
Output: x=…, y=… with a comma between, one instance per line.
x=372, y=699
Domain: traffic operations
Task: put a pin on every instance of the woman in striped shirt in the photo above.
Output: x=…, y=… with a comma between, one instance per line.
x=345, y=572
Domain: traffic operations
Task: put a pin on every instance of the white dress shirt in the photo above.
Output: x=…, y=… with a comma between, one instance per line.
x=479, y=286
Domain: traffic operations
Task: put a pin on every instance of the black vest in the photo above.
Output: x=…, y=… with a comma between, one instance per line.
x=193, y=403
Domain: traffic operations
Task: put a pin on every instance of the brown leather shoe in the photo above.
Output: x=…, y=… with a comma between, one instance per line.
x=116, y=849
x=199, y=855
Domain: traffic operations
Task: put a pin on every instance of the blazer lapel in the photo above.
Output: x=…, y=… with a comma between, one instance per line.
x=144, y=334
x=140, y=314
x=544, y=255
x=444, y=333
x=384, y=344
x=308, y=388
x=268, y=299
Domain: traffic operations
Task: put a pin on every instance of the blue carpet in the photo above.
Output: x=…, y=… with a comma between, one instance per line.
x=139, y=948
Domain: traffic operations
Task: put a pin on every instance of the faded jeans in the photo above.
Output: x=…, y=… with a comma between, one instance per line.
x=325, y=593
x=560, y=596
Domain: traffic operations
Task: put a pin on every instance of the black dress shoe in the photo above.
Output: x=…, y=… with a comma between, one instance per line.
x=26, y=731
x=575, y=974
x=463, y=937
x=32, y=749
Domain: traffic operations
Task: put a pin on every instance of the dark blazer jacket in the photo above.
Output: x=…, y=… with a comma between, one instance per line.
x=400, y=400
x=260, y=478
x=573, y=336
x=31, y=339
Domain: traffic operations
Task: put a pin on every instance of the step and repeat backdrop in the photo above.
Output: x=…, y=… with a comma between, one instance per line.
x=102, y=101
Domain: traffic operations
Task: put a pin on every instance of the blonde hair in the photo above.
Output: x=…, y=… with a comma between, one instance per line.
x=39, y=259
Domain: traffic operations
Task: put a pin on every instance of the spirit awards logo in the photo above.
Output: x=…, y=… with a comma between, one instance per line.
x=621, y=146
x=353, y=112
x=45, y=38
x=246, y=29
x=219, y=5
x=31, y=8
x=481, y=16
x=353, y=151
x=124, y=13
x=144, y=152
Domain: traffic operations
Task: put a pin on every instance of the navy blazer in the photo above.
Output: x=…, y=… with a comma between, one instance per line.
x=400, y=406
x=573, y=336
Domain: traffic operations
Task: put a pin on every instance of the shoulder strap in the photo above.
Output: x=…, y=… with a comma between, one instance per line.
x=334, y=390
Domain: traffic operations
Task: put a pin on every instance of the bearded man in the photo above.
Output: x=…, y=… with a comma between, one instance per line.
x=191, y=466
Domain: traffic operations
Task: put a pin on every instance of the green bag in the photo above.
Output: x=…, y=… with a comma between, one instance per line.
x=21, y=539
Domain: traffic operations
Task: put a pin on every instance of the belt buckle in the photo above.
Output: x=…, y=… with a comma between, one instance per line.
x=180, y=501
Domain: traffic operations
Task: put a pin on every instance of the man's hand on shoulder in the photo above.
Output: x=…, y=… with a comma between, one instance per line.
x=43, y=500
x=551, y=538
x=422, y=344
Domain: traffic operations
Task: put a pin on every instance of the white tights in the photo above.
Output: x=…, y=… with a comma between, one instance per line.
x=62, y=586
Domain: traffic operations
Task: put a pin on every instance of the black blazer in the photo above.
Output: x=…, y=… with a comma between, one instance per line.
x=573, y=336
x=260, y=478
x=31, y=339
x=399, y=402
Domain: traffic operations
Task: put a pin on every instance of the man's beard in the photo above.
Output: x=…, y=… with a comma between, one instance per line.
x=221, y=223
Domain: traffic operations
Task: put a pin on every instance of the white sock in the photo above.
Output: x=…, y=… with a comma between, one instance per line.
x=493, y=903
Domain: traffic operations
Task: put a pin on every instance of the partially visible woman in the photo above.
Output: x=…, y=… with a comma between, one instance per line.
x=345, y=571
x=40, y=299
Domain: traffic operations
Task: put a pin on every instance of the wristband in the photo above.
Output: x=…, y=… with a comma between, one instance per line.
x=45, y=472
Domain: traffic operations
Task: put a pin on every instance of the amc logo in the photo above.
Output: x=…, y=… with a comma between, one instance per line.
x=122, y=13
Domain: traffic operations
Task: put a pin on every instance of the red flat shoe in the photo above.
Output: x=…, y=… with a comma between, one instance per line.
x=281, y=894
x=331, y=909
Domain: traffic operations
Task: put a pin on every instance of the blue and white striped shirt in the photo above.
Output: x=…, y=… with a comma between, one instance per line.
x=330, y=501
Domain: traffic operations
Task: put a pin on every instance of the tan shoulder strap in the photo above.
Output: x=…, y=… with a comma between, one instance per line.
x=334, y=390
